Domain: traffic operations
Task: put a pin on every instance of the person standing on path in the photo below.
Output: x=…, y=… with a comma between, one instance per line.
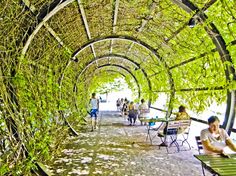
x=132, y=113
x=94, y=103
x=143, y=111
x=118, y=103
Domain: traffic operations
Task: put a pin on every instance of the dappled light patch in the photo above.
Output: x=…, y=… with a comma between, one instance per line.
x=108, y=152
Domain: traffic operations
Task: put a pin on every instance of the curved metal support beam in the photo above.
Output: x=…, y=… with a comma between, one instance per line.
x=115, y=71
x=230, y=111
x=115, y=15
x=44, y=17
x=84, y=18
x=57, y=5
x=221, y=47
x=120, y=57
x=75, y=87
x=119, y=37
x=107, y=70
x=142, y=44
x=145, y=21
x=88, y=64
x=127, y=70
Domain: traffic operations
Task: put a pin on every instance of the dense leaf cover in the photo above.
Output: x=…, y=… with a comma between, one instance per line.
x=53, y=54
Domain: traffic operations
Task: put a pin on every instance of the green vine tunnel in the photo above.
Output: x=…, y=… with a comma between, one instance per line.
x=127, y=71
x=191, y=9
x=121, y=57
x=192, y=66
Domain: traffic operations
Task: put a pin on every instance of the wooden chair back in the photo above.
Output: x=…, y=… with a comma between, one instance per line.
x=172, y=128
x=199, y=144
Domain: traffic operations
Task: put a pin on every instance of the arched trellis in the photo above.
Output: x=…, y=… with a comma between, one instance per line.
x=232, y=98
x=142, y=44
x=57, y=6
x=220, y=44
x=186, y=5
x=123, y=68
x=118, y=56
x=75, y=87
x=45, y=17
x=114, y=71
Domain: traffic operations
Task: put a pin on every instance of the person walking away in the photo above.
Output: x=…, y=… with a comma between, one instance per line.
x=118, y=103
x=131, y=113
x=125, y=109
x=94, y=103
x=121, y=106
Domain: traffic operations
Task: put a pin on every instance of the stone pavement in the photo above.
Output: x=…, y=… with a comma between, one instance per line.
x=118, y=149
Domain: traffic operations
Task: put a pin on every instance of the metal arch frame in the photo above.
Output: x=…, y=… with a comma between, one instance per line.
x=44, y=17
x=115, y=71
x=115, y=16
x=142, y=44
x=84, y=18
x=118, y=37
x=88, y=64
x=189, y=7
x=127, y=70
x=220, y=44
x=144, y=23
x=75, y=87
x=124, y=58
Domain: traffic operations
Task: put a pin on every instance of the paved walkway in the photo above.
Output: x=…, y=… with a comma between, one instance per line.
x=118, y=149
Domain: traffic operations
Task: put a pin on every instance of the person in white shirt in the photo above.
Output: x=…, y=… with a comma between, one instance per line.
x=215, y=139
x=94, y=103
x=143, y=111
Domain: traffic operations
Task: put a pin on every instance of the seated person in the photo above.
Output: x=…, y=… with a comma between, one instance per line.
x=182, y=114
x=214, y=138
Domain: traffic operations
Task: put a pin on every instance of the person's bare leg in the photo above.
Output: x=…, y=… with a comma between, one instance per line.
x=93, y=124
x=96, y=123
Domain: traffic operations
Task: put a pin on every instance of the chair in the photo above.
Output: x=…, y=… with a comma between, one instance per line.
x=151, y=126
x=170, y=132
x=199, y=145
x=184, y=128
x=200, y=150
